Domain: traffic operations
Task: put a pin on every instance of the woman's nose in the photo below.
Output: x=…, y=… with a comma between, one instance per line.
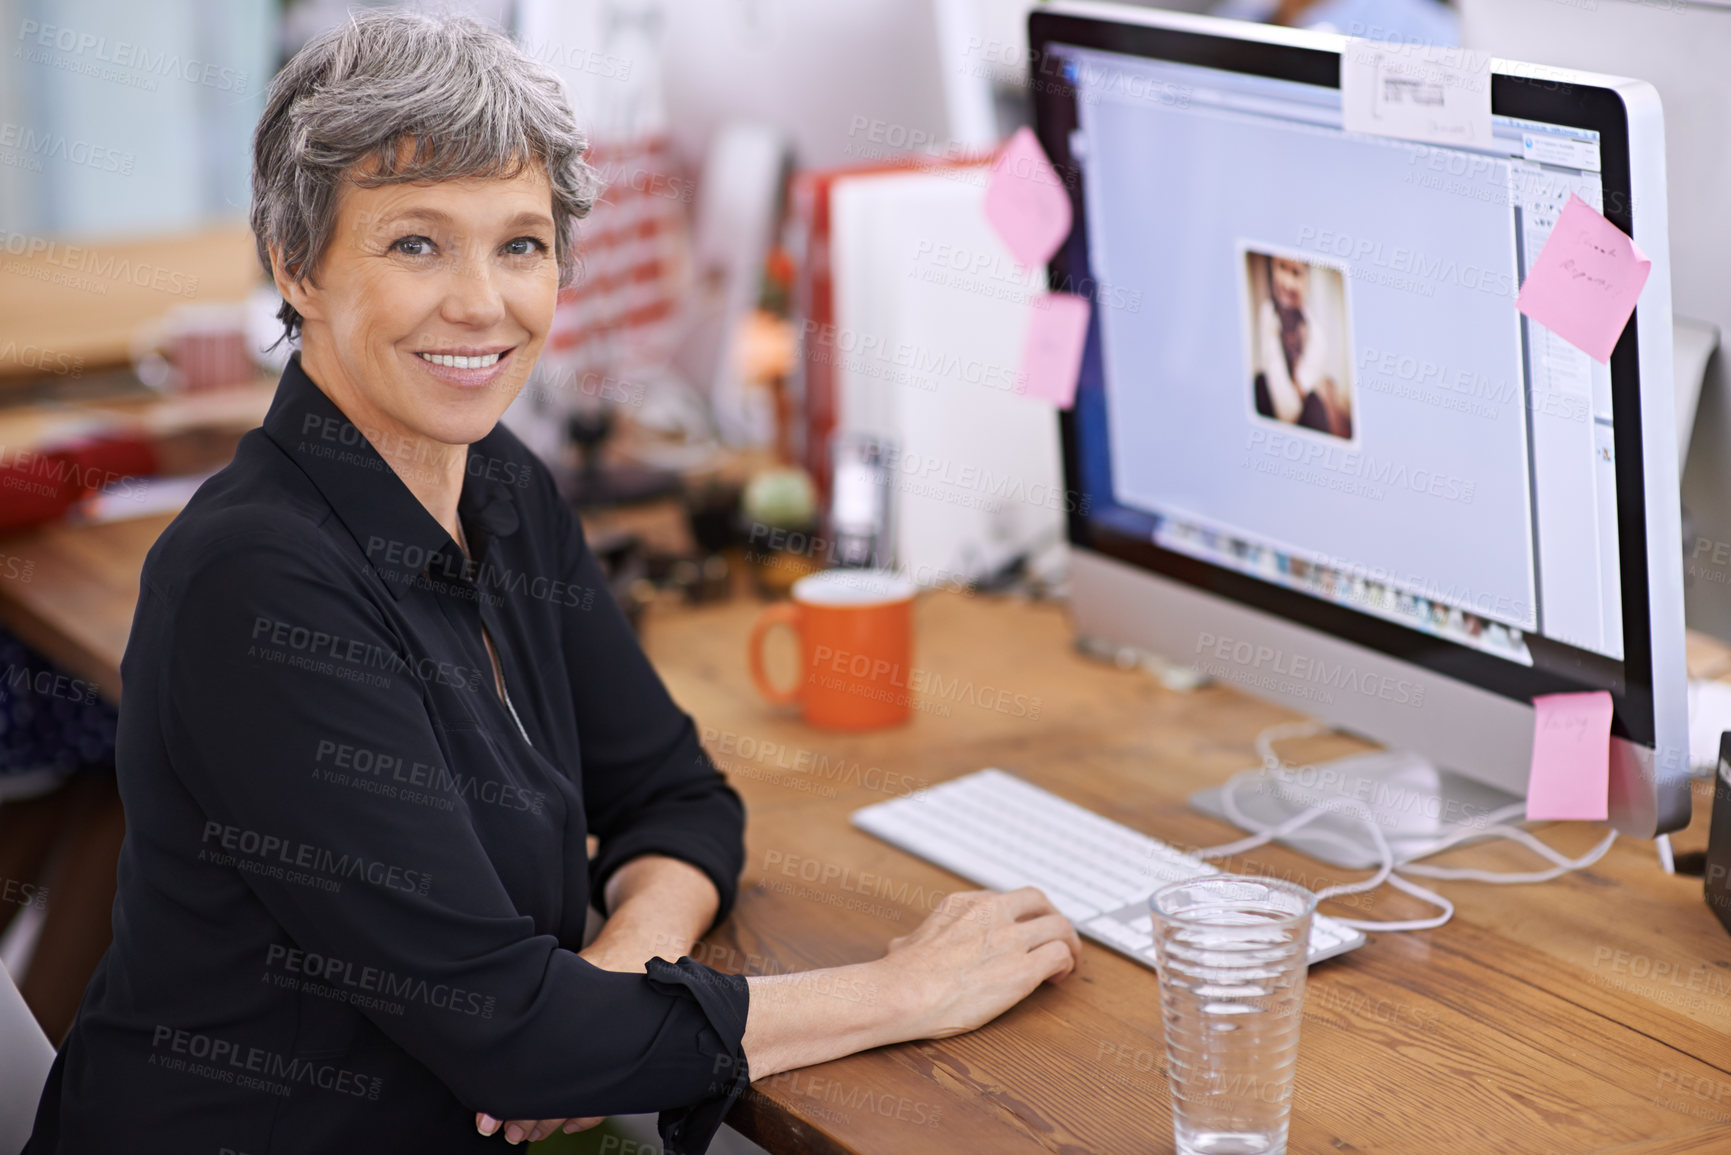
x=472, y=297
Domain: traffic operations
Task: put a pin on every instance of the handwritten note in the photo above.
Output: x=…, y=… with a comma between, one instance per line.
x=1586, y=281
x=1026, y=202
x=1052, y=356
x=1571, y=772
x=1416, y=92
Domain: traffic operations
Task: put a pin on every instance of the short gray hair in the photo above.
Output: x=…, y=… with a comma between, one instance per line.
x=471, y=101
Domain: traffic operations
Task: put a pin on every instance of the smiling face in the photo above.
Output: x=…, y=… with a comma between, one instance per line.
x=431, y=304
x=1291, y=283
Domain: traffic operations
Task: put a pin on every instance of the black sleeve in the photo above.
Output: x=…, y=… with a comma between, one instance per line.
x=417, y=894
x=648, y=785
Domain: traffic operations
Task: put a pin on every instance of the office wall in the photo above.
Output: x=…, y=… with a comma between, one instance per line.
x=844, y=81
x=123, y=118
x=1005, y=23
x=17, y=189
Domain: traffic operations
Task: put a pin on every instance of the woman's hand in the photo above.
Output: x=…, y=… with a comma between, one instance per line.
x=959, y=969
x=534, y=1130
x=980, y=955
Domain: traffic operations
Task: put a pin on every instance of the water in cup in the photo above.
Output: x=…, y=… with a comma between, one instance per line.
x=1232, y=958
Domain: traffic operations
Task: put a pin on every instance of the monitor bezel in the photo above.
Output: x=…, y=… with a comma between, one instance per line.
x=1540, y=99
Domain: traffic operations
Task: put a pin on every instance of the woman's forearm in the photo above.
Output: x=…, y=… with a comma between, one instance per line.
x=960, y=968
x=656, y=906
x=659, y=906
x=815, y=1016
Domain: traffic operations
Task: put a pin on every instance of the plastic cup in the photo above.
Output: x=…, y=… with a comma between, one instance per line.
x=1232, y=953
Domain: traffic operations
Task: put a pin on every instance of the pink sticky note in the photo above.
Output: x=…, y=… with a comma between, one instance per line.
x=1026, y=202
x=1584, y=285
x=1571, y=774
x=1052, y=355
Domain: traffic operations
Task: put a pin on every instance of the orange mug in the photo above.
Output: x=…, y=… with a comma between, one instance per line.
x=855, y=632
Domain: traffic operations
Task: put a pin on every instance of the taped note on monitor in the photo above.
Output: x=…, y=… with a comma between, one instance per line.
x=1586, y=281
x=1570, y=776
x=1052, y=354
x=1026, y=201
x=1416, y=92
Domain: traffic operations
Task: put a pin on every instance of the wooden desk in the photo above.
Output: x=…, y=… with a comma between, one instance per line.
x=69, y=589
x=72, y=589
x=1591, y=1014
x=66, y=304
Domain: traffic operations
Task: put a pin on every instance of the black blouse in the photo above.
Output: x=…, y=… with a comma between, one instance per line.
x=353, y=886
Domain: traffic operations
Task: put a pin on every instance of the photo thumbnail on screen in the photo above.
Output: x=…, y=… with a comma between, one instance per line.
x=1298, y=341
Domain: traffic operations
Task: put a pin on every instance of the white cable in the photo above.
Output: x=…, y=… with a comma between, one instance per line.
x=1419, y=892
x=1564, y=865
x=1385, y=855
x=1271, y=764
x=1493, y=824
x=1384, y=872
x=1229, y=802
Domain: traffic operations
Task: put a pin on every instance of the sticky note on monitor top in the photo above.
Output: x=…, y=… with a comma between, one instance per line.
x=1571, y=771
x=1026, y=201
x=1416, y=92
x=1586, y=281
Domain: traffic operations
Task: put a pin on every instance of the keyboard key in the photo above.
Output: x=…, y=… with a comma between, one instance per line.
x=1116, y=932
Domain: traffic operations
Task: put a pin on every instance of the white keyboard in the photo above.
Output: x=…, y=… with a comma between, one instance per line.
x=1000, y=832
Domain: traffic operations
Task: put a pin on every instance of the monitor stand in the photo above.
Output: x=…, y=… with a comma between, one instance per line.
x=1414, y=802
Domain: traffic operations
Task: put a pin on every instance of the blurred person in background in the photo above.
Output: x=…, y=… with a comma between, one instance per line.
x=1409, y=21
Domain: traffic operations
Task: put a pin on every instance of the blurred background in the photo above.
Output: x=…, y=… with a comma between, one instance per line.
x=741, y=387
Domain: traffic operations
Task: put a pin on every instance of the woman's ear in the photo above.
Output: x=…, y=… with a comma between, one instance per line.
x=301, y=294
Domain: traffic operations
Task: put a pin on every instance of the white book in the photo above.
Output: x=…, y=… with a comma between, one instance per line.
x=931, y=314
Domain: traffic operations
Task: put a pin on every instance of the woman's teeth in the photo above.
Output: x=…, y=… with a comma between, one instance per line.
x=451, y=362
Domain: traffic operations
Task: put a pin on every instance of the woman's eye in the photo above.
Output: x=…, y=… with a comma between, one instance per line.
x=412, y=246
x=525, y=246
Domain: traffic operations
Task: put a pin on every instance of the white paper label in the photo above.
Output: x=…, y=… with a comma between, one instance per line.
x=1417, y=92
x=855, y=505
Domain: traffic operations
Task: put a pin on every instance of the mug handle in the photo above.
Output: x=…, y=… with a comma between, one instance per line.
x=149, y=364
x=786, y=614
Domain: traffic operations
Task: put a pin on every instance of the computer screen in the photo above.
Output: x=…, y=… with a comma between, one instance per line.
x=1308, y=367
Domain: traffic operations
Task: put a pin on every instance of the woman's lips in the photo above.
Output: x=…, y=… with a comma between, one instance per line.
x=467, y=378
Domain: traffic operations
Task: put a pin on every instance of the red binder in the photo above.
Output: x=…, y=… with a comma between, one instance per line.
x=39, y=485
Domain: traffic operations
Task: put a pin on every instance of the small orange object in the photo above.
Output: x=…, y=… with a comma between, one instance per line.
x=855, y=632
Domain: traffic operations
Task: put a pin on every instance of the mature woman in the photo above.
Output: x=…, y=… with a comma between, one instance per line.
x=377, y=697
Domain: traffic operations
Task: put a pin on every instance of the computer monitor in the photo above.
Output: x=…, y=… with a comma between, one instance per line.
x=1318, y=453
